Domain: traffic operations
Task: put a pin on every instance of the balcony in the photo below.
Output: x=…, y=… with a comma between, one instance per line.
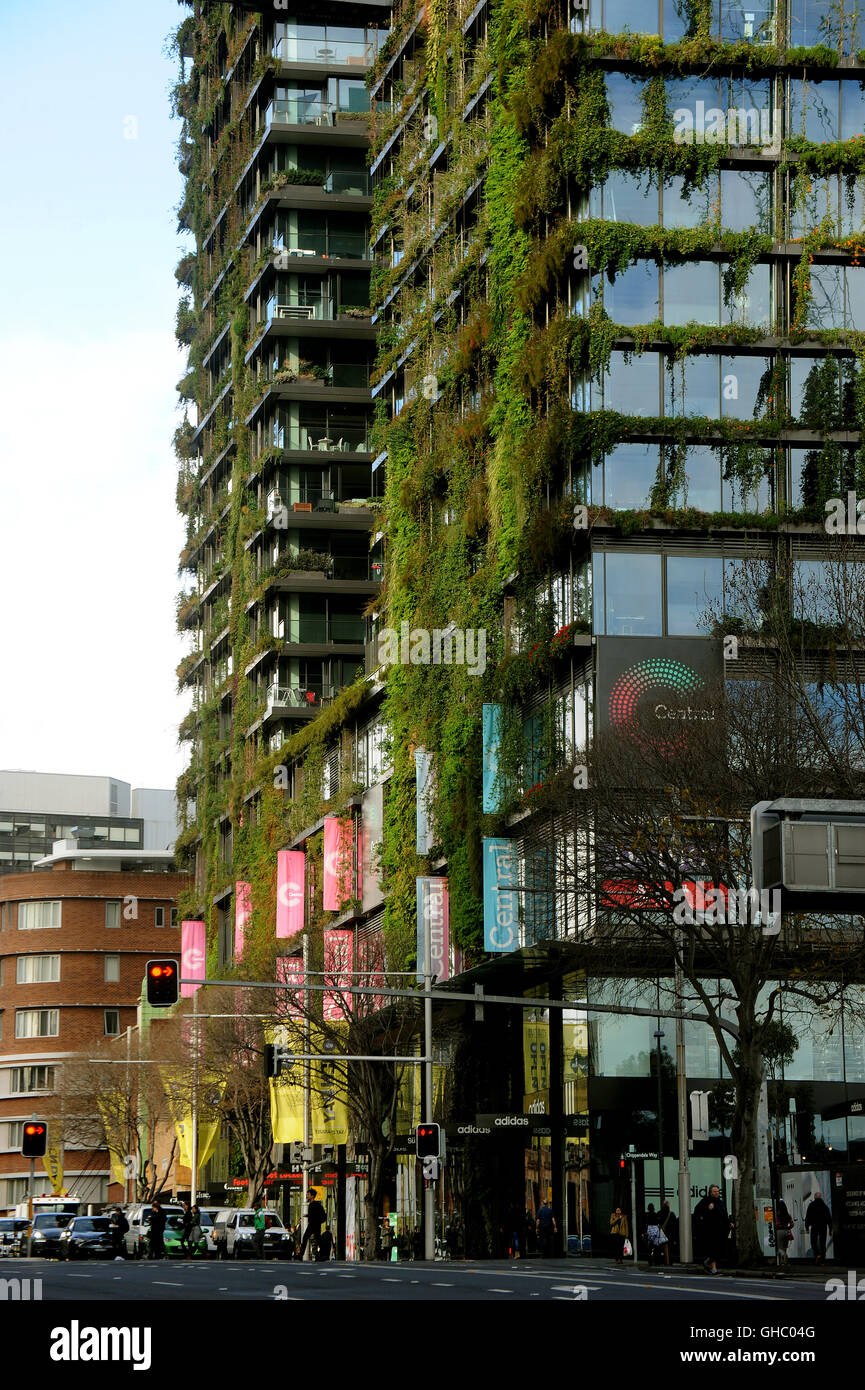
x=297, y=111
x=304, y=45
x=346, y=246
x=304, y=310
x=293, y=698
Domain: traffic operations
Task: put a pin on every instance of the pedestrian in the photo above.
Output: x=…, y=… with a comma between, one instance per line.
x=670, y=1226
x=157, y=1231
x=118, y=1226
x=619, y=1232
x=818, y=1220
x=187, y=1226
x=325, y=1246
x=530, y=1243
x=195, y=1232
x=259, y=1221
x=783, y=1230
x=713, y=1225
x=655, y=1238
x=315, y=1219
x=546, y=1228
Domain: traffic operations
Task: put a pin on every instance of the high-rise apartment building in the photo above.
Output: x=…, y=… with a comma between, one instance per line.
x=277, y=481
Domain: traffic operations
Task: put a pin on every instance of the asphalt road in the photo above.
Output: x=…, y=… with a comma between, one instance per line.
x=277, y=1281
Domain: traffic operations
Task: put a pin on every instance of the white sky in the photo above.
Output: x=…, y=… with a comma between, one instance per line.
x=89, y=534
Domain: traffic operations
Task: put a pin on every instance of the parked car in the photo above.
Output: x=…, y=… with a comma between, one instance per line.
x=234, y=1234
x=10, y=1229
x=48, y=1226
x=85, y=1237
x=208, y=1217
x=139, y=1220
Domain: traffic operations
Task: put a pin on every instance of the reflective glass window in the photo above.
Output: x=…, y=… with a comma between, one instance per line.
x=752, y=305
x=744, y=19
x=630, y=471
x=632, y=386
x=693, y=386
x=852, y=110
x=632, y=297
x=746, y=200
x=625, y=197
x=813, y=110
x=693, y=586
x=690, y=211
x=811, y=203
x=622, y=16
x=826, y=307
x=741, y=380
x=626, y=108
x=633, y=595
x=703, y=471
x=855, y=282
x=691, y=293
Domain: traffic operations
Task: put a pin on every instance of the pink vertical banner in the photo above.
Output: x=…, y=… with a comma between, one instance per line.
x=242, y=913
x=337, y=862
x=289, y=971
x=358, y=893
x=290, y=887
x=337, y=972
x=193, y=956
x=439, y=928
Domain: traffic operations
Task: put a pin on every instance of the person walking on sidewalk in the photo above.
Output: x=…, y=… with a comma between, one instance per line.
x=259, y=1221
x=546, y=1229
x=818, y=1220
x=157, y=1232
x=783, y=1230
x=713, y=1224
x=619, y=1232
x=315, y=1219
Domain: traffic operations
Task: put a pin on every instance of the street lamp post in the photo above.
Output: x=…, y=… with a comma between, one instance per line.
x=659, y=1033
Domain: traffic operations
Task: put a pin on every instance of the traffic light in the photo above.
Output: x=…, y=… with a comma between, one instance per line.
x=35, y=1138
x=427, y=1141
x=162, y=981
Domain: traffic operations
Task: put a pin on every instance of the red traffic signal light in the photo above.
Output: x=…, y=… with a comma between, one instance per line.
x=34, y=1140
x=163, y=978
x=427, y=1141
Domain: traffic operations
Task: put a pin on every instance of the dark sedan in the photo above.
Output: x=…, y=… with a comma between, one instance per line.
x=86, y=1236
x=10, y=1229
x=48, y=1227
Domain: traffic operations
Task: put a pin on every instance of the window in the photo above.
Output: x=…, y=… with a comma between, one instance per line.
x=112, y=969
x=112, y=914
x=174, y=917
x=25, y=1080
x=37, y=970
x=629, y=595
x=14, y=1134
x=37, y=1023
x=112, y=1022
x=692, y=586
x=159, y=916
x=37, y=916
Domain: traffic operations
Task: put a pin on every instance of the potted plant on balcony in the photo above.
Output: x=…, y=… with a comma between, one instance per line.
x=312, y=373
x=353, y=311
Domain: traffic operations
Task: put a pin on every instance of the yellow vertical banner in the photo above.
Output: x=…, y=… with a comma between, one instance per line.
x=329, y=1112
x=286, y=1087
x=52, y=1159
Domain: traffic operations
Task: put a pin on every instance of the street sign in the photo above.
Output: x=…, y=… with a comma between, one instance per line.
x=624, y=1157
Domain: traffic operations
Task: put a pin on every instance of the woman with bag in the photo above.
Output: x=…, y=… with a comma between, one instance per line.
x=783, y=1230
x=194, y=1234
x=619, y=1232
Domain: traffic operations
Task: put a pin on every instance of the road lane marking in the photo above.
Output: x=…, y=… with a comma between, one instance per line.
x=168, y=1283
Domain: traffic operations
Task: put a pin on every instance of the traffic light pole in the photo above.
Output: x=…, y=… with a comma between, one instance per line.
x=30, y=1206
x=193, y=1196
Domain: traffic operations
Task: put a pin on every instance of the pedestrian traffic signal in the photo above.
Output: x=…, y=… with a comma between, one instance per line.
x=35, y=1138
x=427, y=1141
x=162, y=982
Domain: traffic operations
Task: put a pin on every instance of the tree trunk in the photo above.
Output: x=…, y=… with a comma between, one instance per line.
x=372, y=1201
x=743, y=1142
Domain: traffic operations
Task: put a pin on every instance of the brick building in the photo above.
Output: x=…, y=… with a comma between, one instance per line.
x=74, y=936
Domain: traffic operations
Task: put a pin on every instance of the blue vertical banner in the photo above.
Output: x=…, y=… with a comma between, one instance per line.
x=501, y=899
x=492, y=734
x=423, y=775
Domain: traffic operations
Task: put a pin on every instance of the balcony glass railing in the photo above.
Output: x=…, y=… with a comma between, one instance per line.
x=350, y=246
x=301, y=111
x=340, y=440
x=303, y=308
x=300, y=696
x=315, y=627
x=347, y=181
x=304, y=45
